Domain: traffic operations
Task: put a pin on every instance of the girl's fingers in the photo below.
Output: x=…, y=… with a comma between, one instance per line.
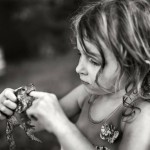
x=2, y=117
x=36, y=94
x=6, y=111
x=39, y=95
x=10, y=104
x=31, y=114
x=9, y=94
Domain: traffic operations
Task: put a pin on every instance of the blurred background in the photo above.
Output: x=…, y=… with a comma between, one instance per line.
x=35, y=47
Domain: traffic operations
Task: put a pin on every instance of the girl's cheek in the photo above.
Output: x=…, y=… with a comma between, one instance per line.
x=97, y=73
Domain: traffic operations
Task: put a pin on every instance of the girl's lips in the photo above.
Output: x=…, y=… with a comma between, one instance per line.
x=85, y=83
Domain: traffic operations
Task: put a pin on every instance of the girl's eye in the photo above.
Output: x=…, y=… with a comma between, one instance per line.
x=93, y=62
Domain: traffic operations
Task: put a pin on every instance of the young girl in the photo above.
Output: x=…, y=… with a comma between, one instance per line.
x=112, y=103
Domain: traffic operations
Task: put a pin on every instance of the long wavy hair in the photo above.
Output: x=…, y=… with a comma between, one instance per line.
x=124, y=27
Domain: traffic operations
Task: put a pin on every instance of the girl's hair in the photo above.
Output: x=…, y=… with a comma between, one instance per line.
x=124, y=27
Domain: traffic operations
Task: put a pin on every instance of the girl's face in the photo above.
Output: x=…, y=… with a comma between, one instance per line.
x=89, y=66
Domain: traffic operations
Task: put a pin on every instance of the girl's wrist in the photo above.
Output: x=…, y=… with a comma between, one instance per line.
x=68, y=128
x=68, y=132
x=61, y=127
x=59, y=123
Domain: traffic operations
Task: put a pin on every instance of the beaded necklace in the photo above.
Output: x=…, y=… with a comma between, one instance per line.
x=107, y=131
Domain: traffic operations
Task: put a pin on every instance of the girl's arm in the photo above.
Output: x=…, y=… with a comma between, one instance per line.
x=71, y=138
x=72, y=102
x=51, y=117
x=136, y=134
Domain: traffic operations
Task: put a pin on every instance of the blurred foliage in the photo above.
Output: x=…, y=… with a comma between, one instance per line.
x=35, y=27
x=31, y=28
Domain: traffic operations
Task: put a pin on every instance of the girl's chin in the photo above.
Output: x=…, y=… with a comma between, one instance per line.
x=96, y=90
x=91, y=90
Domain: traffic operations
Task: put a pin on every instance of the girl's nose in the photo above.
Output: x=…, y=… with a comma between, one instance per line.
x=81, y=67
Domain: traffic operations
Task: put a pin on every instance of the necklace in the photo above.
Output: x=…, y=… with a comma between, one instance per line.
x=107, y=132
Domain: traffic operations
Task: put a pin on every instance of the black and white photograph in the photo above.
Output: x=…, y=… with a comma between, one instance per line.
x=74, y=74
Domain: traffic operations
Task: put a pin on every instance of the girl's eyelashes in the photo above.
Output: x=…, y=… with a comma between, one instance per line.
x=91, y=60
x=94, y=62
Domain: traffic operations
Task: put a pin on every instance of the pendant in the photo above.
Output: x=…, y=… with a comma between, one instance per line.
x=108, y=133
x=101, y=148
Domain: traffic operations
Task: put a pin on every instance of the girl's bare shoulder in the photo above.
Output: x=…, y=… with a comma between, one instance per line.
x=136, y=131
x=144, y=106
x=141, y=112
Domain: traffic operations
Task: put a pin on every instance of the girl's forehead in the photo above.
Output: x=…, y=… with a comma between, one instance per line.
x=89, y=46
x=92, y=49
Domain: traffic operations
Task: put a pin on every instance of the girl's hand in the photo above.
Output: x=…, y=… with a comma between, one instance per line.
x=47, y=111
x=7, y=103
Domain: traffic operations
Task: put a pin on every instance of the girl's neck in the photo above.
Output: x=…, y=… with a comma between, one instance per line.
x=114, y=97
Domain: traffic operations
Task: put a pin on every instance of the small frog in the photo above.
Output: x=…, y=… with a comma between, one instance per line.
x=20, y=118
